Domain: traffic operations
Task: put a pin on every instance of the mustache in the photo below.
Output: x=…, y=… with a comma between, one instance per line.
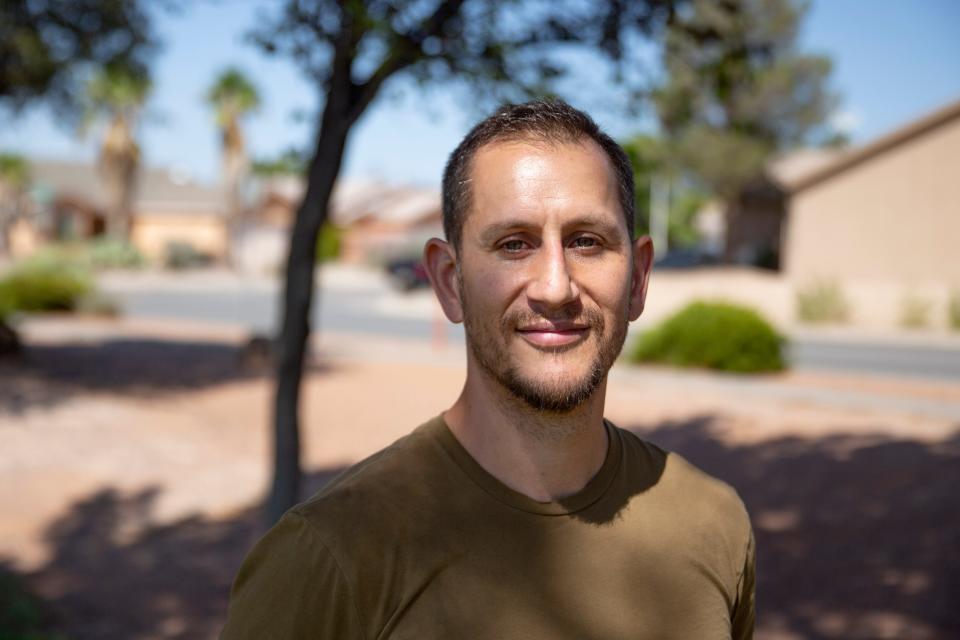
x=522, y=318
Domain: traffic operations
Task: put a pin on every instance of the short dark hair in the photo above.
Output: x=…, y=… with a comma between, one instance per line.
x=551, y=121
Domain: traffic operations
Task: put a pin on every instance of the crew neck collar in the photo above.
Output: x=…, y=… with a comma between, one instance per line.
x=593, y=491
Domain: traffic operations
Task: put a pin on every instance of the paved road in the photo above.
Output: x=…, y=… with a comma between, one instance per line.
x=356, y=312
x=375, y=309
x=899, y=360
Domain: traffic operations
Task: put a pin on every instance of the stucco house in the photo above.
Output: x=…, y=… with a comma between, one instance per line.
x=378, y=220
x=888, y=210
x=69, y=202
x=383, y=221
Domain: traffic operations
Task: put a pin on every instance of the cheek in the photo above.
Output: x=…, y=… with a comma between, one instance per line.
x=608, y=288
x=492, y=287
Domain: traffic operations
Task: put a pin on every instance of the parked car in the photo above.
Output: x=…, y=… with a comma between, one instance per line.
x=407, y=274
x=686, y=259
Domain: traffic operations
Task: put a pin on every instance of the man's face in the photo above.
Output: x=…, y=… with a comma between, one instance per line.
x=547, y=278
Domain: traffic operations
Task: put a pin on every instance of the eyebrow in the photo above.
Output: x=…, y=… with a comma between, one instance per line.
x=496, y=230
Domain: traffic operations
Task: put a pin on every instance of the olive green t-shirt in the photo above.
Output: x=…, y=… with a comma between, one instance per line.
x=419, y=541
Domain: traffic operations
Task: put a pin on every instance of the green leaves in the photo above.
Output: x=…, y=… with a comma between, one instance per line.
x=713, y=335
x=232, y=95
x=737, y=89
x=47, y=47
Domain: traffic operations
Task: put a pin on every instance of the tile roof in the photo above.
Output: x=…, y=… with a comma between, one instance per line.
x=158, y=190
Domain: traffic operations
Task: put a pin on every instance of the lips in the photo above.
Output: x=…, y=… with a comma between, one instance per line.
x=553, y=334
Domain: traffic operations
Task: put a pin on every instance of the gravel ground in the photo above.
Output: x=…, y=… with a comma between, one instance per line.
x=133, y=462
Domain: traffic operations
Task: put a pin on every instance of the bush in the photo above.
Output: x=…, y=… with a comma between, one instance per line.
x=715, y=335
x=822, y=301
x=328, y=243
x=7, y=303
x=106, y=253
x=44, y=284
x=182, y=255
x=953, y=311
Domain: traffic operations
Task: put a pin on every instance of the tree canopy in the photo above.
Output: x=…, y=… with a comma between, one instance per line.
x=737, y=89
x=501, y=50
x=43, y=45
x=14, y=170
x=232, y=95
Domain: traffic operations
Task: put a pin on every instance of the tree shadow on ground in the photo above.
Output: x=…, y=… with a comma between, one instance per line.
x=44, y=375
x=114, y=574
x=858, y=537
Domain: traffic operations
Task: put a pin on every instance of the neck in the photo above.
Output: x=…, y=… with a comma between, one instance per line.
x=545, y=456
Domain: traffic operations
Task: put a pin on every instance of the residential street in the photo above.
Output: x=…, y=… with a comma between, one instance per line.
x=362, y=301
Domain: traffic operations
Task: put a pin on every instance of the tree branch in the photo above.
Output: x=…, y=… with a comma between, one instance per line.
x=405, y=50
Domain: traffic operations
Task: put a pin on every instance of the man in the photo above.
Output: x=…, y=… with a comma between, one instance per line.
x=519, y=512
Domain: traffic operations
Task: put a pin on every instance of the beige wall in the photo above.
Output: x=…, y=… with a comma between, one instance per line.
x=152, y=232
x=23, y=238
x=893, y=218
x=372, y=241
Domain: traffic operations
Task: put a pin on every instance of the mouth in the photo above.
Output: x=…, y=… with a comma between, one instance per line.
x=553, y=334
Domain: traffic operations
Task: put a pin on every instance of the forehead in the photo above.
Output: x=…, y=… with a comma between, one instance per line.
x=539, y=181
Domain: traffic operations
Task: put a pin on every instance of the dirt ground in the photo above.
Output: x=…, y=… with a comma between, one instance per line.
x=133, y=460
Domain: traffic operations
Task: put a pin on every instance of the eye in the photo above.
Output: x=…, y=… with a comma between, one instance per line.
x=513, y=246
x=585, y=242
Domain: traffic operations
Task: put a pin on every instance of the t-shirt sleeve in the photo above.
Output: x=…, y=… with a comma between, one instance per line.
x=290, y=586
x=744, y=611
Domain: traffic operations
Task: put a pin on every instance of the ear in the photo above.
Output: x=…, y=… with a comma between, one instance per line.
x=642, y=264
x=441, y=264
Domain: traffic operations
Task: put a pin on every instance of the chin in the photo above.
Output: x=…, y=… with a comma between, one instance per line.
x=547, y=393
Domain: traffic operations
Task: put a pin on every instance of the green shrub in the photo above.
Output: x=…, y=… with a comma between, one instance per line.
x=953, y=310
x=183, y=255
x=715, y=335
x=329, y=243
x=99, y=253
x=7, y=303
x=106, y=253
x=45, y=283
x=915, y=311
x=822, y=301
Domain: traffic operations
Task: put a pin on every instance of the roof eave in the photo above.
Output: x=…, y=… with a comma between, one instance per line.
x=868, y=151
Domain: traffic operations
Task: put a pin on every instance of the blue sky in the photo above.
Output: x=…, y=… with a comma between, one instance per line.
x=894, y=61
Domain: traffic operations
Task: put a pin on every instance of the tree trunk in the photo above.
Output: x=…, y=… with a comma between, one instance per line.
x=234, y=170
x=9, y=340
x=118, y=163
x=120, y=186
x=298, y=300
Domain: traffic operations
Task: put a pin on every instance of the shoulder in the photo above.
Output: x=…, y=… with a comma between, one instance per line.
x=705, y=517
x=291, y=565
x=384, y=492
x=681, y=476
x=697, y=499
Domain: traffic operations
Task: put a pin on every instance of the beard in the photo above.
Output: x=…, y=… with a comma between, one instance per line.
x=545, y=393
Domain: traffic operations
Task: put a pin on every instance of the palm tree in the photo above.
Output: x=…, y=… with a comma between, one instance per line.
x=117, y=95
x=232, y=97
x=14, y=179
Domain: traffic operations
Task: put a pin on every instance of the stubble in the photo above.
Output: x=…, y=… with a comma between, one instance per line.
x=488, y=344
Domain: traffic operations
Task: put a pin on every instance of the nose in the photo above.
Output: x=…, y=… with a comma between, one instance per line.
x=552, y=284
